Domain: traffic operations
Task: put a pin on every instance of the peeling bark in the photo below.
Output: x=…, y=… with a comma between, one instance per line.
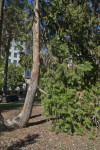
x=22, y=119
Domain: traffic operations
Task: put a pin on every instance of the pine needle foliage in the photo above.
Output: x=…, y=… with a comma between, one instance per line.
x=72, y=74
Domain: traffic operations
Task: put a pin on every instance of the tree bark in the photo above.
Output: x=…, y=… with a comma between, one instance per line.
x=22, y=119
x=1, y=20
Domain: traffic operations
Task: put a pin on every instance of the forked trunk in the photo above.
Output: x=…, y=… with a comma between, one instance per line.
x=22, y=119
x=1, y=19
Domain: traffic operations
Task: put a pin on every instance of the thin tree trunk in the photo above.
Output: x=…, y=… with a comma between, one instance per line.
x=22, y=119
x=6, y=66
x=1, y=20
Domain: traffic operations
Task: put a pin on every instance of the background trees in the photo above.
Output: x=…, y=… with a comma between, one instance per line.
x=15, y=76
x=13, y=25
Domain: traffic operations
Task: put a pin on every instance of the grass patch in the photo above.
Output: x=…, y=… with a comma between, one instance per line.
x=14, y=105
x=11, y=105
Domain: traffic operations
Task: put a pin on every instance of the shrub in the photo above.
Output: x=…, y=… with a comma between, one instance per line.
x=74, y=112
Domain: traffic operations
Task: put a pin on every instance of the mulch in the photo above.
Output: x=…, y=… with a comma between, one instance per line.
x=37, y=136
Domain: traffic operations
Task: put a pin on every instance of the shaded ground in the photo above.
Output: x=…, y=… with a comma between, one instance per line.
x=36, y=136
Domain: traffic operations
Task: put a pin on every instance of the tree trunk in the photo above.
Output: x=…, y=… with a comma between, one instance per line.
x=1, y=19
x=6, y=66
x=22, y=119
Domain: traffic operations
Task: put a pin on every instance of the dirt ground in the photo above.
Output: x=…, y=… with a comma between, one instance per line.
x=36, y=135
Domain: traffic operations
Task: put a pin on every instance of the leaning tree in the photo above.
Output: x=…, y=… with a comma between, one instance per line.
x=22, y=119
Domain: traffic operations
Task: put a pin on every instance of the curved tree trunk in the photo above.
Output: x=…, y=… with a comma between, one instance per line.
x=22, y=119
x=1, y=19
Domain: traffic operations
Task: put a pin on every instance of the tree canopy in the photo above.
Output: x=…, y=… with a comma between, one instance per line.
x=15, y=76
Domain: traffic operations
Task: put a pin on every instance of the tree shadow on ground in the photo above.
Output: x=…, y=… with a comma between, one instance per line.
x=30, y=139
x=37, y=123
x=35, y=116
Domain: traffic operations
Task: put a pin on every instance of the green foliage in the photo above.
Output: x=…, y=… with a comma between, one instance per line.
x=1, y=74
x=14, y=21
x=15, y=76
x=72, y=73
x=26, y=60
x=58, y=48
x=92, y=135
x=73, y=112
x=1, y=77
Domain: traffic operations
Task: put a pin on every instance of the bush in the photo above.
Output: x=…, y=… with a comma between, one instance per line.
x=74, y=112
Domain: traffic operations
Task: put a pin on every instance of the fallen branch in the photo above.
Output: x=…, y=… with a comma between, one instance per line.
x=43, y=92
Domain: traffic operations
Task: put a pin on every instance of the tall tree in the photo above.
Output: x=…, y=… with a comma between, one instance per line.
x=7, y=47
x=1, y=19
x=12, y=26
x=22, y=119
x=75, y=45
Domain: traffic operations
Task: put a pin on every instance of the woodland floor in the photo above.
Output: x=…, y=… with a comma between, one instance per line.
x=36, y=135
